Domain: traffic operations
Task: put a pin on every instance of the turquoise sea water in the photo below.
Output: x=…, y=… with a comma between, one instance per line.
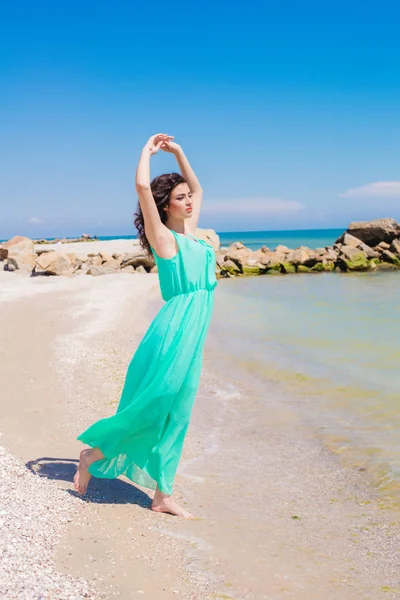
x=332, y=340
x=313, y=238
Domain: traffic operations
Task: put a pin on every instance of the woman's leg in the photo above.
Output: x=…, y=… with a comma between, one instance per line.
x=82, y=475
x=164, y=503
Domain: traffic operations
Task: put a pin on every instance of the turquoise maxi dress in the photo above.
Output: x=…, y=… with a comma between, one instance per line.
x=144, y=439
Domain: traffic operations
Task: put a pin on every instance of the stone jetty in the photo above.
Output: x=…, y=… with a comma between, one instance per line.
x=364, y=246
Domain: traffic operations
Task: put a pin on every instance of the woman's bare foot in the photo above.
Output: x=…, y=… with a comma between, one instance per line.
x=82, y=475
x=164, y=503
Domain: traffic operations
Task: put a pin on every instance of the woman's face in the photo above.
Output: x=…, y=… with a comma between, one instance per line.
x=180, y=202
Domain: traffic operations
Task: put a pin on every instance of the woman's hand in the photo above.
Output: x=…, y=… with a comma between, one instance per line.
x=169, y=146
x=155, y=142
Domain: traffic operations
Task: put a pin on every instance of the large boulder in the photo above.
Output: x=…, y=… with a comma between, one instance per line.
x=347, y=240
x=22, y=250
x=352, y=259
x=373, y=232
x=238, y=253
x=54, y=263
x=302, y=256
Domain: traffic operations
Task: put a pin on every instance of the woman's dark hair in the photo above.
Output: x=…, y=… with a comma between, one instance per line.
x=161, y=188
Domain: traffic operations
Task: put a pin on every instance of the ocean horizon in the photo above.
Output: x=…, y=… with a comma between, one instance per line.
x=293, y=238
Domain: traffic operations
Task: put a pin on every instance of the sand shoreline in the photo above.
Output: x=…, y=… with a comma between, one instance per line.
x=249, y=467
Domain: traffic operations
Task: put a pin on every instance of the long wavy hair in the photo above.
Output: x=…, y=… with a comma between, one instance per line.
x=161, y=188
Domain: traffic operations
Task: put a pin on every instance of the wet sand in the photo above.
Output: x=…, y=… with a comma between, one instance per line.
x=279, y=516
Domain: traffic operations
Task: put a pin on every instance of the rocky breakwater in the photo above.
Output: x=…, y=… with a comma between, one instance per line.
x=364, y=246
x=21, y=254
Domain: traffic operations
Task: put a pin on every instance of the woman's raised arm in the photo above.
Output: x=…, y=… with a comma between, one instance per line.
x=151, y=217
x=191, y=179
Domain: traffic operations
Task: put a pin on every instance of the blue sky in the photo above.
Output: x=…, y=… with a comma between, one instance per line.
x=288, y=111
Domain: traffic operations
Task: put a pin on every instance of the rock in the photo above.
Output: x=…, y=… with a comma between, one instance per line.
x=274, y=266
x=352, y=259
x=154, y=269
x=76, y=265
x=230, y=266
x=239, y=254
x=86, y=236
x=329, y=255
x=3, y=253
x=105, y=257
x=261, y=258
x=24, y=244
x=394, y=247
x=350, y=240
x=112, y=263
x=84, y=268
x=382, y=246
x=302, y=256
x=94, y=259
x=391, y=258
x=373, y=264
x=373, y=232
x=251, y=270
x=282, y=249
x=22, y=250
x=274, y=271
x=10, y=265
x=346, y=239
x=221, y=257
x=97, y=270
x=288, y=268
x=303, y=269
x=53, y=263
x=369, y=252
x=129, y=269
x=323, y=266
x=141, y=269
x=351, y=252
x=138, y=257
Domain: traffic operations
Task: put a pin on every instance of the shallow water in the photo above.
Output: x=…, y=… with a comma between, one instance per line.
x=329, y=340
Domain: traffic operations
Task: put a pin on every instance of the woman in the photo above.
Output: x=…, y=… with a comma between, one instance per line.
x=144, y=439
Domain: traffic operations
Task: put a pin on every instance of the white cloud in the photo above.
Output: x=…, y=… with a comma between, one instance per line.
x=35, y=220
x=379, y=190
x=254, y=206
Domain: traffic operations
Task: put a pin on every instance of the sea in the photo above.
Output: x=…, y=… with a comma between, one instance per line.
x=313, y=238
x=329, y=341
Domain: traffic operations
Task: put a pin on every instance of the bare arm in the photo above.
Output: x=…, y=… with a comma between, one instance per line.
x=191, y=179
x=157, y=234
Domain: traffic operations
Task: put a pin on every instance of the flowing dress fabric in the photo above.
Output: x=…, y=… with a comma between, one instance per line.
x=144, y=439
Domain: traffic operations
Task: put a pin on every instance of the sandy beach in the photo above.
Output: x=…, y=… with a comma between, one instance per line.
x=278, y=515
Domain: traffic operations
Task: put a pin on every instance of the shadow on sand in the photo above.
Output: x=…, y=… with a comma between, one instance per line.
x=101, y=491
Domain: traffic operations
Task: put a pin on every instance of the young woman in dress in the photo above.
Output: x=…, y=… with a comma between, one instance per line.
x=144, y=439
